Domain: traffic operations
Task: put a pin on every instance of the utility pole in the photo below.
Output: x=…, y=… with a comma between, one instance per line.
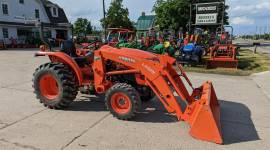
x=260, y=32
x=255, y=36
x=190, y=16
x=104, y=16
x=223, y=15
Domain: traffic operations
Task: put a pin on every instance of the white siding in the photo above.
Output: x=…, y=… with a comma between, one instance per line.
x=53, y=33
x=17, y=12
x=27, y=9
x=69, y=34
x=12, y=32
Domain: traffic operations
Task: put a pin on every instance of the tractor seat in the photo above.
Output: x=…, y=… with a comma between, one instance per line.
x=69, y=48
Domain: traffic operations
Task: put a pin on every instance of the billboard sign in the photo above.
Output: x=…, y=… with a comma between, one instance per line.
x=206, y=14
x=206, y=18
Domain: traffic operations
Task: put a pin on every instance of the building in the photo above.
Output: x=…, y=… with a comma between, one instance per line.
x=18, y=20
x=144, y=24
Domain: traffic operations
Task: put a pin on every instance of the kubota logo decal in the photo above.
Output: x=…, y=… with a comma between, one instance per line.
x=126, y=59
x=149, y=69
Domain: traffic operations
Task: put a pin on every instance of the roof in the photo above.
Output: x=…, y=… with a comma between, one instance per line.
x=145, y=22
x=30, y=24
x=119, y=30
x=62, y=18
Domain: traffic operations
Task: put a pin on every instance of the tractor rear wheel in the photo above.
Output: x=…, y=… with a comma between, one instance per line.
x=123, y=101
x=55, y=85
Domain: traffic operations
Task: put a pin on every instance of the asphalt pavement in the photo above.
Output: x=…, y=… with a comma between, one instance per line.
x=86, y=124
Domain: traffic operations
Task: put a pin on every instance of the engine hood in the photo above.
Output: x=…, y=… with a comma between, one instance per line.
x=129, y=52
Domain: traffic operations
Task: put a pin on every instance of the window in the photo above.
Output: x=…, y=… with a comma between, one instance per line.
x=5, y=32
x=5, y=9
x=47, y=34
x=54, y=12
x=21, y=1
x=37, y=13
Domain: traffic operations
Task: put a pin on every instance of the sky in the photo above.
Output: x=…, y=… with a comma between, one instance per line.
x=246, y=16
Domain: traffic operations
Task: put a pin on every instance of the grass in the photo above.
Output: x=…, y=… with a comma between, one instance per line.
x=249, y=63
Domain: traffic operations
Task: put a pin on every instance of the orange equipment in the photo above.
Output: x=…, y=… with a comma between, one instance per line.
x=128, y=76
x=119, y=34
x=222, y=55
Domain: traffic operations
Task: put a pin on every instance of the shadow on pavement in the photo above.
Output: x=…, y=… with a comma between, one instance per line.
x=153, y=112
x=87, y=103
x=236, y=123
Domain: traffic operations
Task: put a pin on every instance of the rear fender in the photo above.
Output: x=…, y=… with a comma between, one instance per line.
x=64, y=58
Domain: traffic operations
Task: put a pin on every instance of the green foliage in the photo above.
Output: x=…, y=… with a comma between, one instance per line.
x=82, y=27
x=249, y=63
x=117, y=16
x=257, y=36
x=175, y=13
x=171, y=13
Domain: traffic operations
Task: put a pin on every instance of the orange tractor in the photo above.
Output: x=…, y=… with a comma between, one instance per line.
x=223, y=54
x=117, y=35
x=127, y=77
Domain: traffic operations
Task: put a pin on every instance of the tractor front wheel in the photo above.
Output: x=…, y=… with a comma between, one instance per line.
x=123, y=101
x=55, y=85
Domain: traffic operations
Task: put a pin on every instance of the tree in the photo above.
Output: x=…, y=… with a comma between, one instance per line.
x=117, y=16
x=82, y=27
x=171, y=13
x=175, y=13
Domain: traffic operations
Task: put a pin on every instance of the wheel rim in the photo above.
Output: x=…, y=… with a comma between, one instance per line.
x=49, y=87
x=120, y=103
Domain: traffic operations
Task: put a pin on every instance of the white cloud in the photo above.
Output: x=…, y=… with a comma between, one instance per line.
x=254, y=7
x=244, y=15
x=242, y=21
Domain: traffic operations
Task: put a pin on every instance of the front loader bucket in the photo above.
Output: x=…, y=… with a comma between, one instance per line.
x=202, y=110
x=205, y=118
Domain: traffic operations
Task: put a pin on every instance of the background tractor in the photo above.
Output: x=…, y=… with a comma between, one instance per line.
x=119, y=35
x=164, y=48
x=223, y=53
x=192, y=51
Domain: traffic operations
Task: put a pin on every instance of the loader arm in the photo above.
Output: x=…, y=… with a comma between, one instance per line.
x=156, y=76
x=160, y=75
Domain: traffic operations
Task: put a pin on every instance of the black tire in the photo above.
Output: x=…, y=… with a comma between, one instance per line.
x=66, y=83
x=128, y=91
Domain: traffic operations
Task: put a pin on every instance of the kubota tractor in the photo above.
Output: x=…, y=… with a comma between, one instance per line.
x=126, y=77
x=119, y=35
x=223, y=53
x=192, y=50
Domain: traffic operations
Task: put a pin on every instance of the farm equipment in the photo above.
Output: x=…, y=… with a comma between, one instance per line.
x=164, y=48
x=191, y=51
x=117, y=35
x=127, y=77
x=223, y=54
x=162, y=44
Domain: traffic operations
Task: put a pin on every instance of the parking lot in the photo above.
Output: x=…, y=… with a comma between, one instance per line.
x=86, y=124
